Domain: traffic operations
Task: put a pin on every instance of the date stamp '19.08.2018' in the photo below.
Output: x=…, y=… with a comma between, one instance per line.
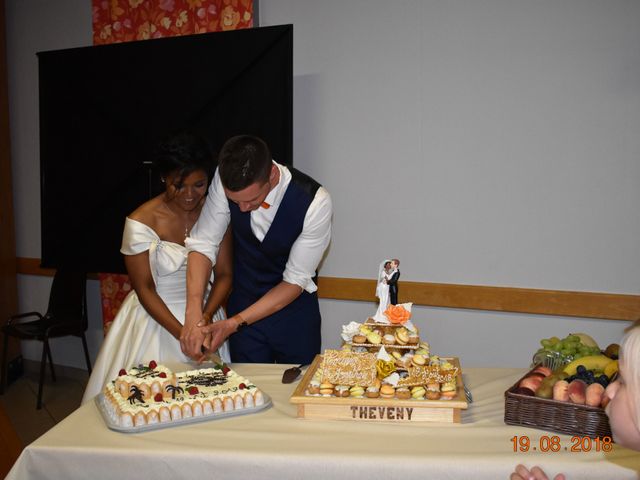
x=554, y=444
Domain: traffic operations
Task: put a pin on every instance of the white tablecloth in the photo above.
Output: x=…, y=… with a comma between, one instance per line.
x=275, y=444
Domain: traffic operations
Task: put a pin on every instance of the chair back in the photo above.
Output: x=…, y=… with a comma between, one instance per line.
x=68, y=298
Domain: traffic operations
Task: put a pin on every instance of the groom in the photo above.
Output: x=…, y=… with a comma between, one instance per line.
x=281, y=224
x=393, y=282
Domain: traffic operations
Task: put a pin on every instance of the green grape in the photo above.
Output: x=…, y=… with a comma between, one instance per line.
x=545, y=342
x=573, y=339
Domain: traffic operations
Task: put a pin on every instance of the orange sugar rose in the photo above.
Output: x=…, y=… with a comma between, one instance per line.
x=397, y=314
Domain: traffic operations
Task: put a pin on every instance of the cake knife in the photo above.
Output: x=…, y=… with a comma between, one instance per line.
x=290, y=375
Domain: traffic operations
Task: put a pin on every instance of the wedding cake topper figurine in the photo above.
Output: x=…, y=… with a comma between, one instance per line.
x=387, y=287
x=394, y=275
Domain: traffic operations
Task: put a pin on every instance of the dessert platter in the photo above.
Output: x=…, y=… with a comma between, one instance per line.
x=149, y=397
x=383, y=372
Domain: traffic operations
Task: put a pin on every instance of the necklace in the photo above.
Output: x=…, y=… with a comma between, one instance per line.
x=187, y=227
x=183, y=216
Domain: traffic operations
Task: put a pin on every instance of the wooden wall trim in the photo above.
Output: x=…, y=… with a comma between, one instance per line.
x=606, y=306
x=31, y=266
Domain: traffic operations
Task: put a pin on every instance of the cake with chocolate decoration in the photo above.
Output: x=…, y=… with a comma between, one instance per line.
x=153, y=394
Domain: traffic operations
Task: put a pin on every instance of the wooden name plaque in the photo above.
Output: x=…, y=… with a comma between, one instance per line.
x=364, y=409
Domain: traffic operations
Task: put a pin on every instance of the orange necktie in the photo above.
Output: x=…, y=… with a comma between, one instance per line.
x=265, y=205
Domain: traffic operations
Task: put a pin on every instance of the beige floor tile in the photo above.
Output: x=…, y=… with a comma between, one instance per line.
x=60, y=398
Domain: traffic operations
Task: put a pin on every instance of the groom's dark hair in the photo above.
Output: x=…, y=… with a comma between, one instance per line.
x=243, y=161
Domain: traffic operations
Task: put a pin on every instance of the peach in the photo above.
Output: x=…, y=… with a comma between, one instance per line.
x=524, y=391
x=577, y=391
x=561, y=391
x=594, y=394
x=531, y=382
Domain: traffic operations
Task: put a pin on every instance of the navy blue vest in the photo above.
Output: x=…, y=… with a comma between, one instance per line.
x=258, y=266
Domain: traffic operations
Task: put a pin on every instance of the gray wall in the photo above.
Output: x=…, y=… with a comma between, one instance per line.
x=488, y=142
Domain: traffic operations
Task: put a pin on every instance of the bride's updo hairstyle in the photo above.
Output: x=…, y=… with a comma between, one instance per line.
x=183, y=153
x=243, y=161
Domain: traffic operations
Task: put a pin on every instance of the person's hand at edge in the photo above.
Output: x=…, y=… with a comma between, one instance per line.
x=536, y=473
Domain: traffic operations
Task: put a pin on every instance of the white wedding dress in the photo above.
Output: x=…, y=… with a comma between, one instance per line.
x=135, y=337
x=382, y=292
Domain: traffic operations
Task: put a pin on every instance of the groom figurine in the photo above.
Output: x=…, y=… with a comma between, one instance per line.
x=393, y=282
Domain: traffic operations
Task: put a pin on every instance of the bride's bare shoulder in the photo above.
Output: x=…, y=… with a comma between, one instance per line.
x=147, y=213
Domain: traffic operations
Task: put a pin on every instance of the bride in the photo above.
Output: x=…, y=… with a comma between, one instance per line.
x=382, y=291
x=149, y=322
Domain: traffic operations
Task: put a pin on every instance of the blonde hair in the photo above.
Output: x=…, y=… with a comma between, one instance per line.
x=630, y=356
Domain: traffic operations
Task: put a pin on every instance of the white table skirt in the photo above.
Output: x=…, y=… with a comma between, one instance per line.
x=275, y=444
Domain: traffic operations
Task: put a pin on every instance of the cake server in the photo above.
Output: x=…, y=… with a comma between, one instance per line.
x=290, y=375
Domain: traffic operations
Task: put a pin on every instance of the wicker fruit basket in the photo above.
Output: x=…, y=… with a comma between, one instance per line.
x=553, y=415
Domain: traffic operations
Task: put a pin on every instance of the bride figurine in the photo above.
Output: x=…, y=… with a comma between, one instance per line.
x=382, y=291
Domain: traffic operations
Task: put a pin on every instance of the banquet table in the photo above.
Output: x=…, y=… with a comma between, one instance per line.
x=274, y=443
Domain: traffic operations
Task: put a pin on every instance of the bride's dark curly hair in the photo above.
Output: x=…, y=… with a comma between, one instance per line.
x=182, y=152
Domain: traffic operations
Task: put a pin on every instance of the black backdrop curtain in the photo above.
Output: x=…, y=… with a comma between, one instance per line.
x=102, y=109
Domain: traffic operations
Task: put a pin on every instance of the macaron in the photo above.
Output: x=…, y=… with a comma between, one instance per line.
x=418, y=360
x=387, y=391
x=326, y=388
x=413, y=339
x=418, y=392
x=402, y=337
x=356, y=391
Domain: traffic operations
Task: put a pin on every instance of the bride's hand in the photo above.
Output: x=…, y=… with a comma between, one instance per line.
x=192, y=337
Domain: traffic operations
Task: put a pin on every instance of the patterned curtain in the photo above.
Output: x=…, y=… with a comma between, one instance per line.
x=116, y=21
x=126, y=20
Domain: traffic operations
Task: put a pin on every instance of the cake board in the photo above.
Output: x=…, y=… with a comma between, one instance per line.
x=113, y=424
